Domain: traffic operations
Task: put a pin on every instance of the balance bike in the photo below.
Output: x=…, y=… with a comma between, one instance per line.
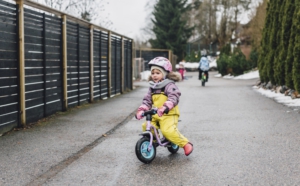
x=145, y=148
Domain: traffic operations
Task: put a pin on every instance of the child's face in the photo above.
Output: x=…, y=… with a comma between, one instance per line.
x=156, y=75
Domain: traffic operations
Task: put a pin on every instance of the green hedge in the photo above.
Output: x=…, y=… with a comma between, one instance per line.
x=236, y=63
x=279, y=59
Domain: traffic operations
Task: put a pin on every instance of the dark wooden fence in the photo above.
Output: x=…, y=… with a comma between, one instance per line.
x=50, y=61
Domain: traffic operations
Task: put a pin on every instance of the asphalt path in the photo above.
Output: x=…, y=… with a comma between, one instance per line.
x=240, y=138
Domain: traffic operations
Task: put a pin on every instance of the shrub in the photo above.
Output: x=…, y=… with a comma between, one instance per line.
x=226, y=49
x=222, y=64
x=235, y=64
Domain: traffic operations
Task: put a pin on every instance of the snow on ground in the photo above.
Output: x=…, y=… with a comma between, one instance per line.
x=145, y=75
x=278, y=97
x=250, y=75
x=195, y=65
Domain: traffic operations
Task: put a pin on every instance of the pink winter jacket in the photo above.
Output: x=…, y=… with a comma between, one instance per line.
x=170, y=90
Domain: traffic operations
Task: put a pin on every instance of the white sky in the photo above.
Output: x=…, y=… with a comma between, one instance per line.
x=128, y=16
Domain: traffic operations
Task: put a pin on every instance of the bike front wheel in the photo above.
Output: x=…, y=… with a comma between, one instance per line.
x=141, y=150
x=173, y=149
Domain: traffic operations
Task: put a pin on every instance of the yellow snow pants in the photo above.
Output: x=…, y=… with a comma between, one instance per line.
x=168, y=127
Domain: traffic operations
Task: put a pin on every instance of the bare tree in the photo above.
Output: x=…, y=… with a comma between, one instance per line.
x=217, y=19
x=62, y=5
x=147, y=31
x=88, y=10
x=238, y=7
x=253, y=30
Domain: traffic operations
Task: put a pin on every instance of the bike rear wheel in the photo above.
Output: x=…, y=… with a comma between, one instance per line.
x=173, y=149
x=141, y=150
x=203, y=79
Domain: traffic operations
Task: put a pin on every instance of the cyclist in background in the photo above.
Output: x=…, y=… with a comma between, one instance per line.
x=203, y=66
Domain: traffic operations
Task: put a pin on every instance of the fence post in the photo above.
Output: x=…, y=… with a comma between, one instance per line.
x=170, y=58
x=21, y=59
x=122, y=66
x=44, y=64
x=78, y=63
x=132, y=62
x=64, y=62
x=91, y=63
x=109, y=65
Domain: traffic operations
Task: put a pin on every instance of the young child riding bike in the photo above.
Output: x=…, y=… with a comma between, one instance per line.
x=164, y=95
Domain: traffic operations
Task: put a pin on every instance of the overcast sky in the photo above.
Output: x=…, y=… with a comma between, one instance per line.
x=128, y=16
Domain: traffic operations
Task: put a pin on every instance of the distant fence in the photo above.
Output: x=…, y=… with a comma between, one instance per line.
x=51, y=61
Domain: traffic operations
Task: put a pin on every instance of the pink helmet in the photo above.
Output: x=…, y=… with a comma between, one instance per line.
x=161, y=62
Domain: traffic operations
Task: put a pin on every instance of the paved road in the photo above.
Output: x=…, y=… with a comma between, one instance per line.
x=240, y=138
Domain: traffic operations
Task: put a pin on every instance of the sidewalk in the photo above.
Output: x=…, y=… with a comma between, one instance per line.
x=61, y=139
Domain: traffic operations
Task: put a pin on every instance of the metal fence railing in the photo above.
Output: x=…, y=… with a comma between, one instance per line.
x=51, y=61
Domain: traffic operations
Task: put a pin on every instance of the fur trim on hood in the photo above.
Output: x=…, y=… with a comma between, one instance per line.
x=175, y=76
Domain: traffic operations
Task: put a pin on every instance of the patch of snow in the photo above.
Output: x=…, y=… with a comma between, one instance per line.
x=213, y=63
x=250, y=75
x=229, y=76
x=278, y=97
x=218, y=75
x=145, y=75
x=188, y=65
x=195, y=65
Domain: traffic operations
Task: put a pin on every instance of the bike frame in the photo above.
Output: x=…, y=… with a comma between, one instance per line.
x=149, y=126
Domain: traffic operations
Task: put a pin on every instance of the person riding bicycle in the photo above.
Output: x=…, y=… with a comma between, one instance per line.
x=164, y=95
x=203, y=67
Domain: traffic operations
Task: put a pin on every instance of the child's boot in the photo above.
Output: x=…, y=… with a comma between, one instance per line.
x=188, y=148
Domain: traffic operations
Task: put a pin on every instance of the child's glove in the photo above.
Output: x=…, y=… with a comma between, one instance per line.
x=139, y=114
x=161, y=110
x=168, y=105
x=140, y=111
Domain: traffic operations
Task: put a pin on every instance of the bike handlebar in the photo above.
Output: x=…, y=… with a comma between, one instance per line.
x=154, y=111
x=151, y=112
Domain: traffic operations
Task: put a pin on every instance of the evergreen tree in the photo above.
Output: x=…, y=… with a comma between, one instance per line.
x=170, y=28
x=280, y=53
x=288, y=32
x=262, y=66
x=296, y=63
x=290, y=53
x=273, y=40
